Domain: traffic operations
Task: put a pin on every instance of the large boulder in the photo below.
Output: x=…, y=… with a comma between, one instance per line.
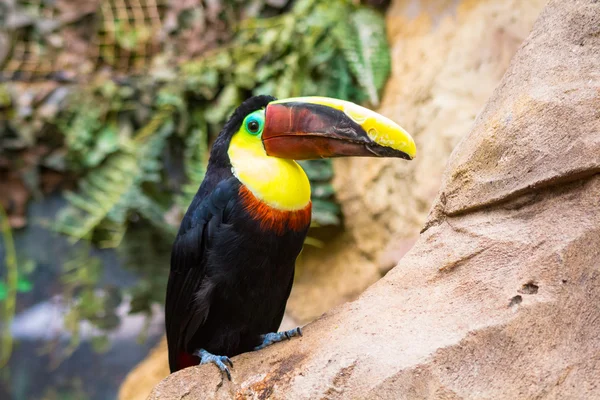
x=500, y=296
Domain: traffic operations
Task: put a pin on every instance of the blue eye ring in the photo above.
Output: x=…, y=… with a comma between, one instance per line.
x=254, y=123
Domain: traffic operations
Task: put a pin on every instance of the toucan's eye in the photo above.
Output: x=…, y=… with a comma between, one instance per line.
x=254, y=122
x=253, y=126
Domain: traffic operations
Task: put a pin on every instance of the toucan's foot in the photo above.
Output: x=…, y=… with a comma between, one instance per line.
x=220, y=361
x=275, y=337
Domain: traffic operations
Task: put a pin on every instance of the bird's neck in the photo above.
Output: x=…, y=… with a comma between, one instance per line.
x=280, y=183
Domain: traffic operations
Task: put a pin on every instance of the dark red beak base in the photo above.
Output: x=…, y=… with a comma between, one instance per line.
x=302, y=131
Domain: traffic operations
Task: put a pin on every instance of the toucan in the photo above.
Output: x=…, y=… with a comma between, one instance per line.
x=233, y=260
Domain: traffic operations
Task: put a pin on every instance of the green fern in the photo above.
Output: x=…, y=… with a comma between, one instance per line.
x=364, y=44
x=195, y=160
x=100, y=192
x=325, y=209
x=84, y=301
x=113, y=190
x=146, y=253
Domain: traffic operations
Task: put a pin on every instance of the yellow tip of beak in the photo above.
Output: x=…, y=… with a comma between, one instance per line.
x=380, y=129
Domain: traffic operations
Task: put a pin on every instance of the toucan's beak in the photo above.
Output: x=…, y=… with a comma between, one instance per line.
x=303, y=128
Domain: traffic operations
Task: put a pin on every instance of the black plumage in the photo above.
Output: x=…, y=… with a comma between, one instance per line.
x=230, y=278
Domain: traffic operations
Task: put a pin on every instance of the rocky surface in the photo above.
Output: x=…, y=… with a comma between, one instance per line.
x=500, y=296
x=139, y=383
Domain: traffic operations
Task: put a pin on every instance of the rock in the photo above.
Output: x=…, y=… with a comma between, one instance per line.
x=524, y=140
x=139, y=382
x=499, y=297
x=154, y=368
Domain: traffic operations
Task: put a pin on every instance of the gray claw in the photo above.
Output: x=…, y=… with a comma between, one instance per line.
x=226, y=359
x=275, y=337
x=219, y=361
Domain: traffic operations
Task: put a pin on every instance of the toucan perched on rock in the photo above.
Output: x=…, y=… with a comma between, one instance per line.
x=232, y=263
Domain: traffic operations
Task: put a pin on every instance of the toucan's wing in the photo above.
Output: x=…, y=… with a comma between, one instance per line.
x=189, y=291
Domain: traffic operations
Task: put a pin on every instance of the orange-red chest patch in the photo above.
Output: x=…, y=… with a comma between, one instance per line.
x=272, y=219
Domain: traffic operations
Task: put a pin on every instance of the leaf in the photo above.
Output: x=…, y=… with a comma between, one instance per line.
x=325, y=212
x=322, y=190
x=318, y=170
x=107, y=142
x=107, y=322
x=195, y=159
x=285, y=85
x=100, y=344
x=100, y=192
x=227, y=101
x=24, y=285
x=244, y=73
x=108, y=193
x=364, y=45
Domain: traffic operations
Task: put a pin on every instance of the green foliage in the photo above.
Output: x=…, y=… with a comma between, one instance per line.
x=113, y=190
x=325, y=210
x=23, y=285
x=146, y=252
x=12, y=279
x=17, y=272
x=366, y=50
x=194, y=161
x=138, y=147
x=85, y=301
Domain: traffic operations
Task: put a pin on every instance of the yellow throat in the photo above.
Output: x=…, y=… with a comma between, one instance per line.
x=278, y=182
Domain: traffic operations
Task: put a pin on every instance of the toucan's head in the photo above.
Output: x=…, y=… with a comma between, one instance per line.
x=303, y=128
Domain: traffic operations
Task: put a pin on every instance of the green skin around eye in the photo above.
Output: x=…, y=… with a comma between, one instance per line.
x=259, y=118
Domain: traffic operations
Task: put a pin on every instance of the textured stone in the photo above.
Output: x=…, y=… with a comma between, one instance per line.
x=152, y=369
x=524, y=138
x=499, y=297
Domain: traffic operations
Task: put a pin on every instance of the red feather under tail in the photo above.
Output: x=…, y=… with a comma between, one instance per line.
x=185, y=360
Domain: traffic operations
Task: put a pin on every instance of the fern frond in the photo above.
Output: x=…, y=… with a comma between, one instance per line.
x=100, y=191
x=195, y=160
x=364, y=45
x=112, y=190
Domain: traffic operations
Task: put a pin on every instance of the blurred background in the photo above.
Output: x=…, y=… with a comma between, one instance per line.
x=108, y=109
